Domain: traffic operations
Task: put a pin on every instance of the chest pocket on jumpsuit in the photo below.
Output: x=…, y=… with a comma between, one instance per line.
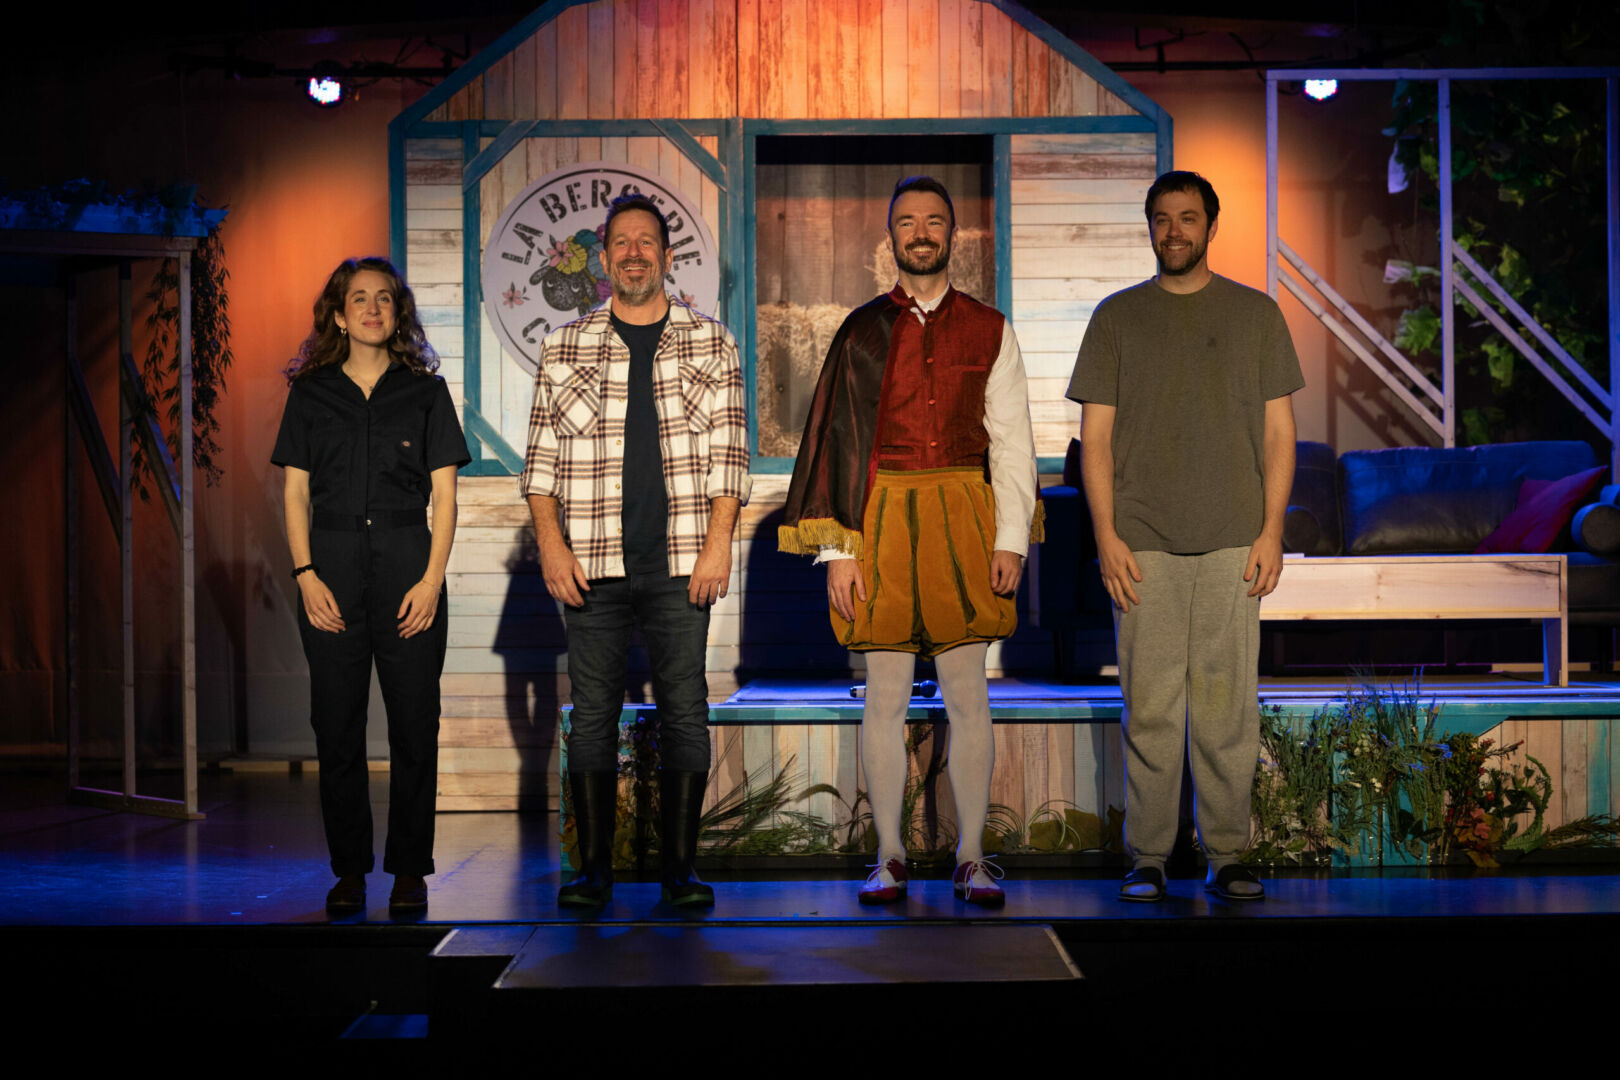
x=397, y=450
x=332, y=438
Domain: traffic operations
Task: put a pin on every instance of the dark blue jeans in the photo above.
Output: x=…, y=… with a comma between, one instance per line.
x=676, y=632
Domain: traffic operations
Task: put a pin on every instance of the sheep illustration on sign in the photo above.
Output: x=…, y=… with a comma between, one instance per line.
x=541, y=265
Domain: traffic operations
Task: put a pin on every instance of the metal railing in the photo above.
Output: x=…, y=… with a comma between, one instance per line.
x=1460, y=274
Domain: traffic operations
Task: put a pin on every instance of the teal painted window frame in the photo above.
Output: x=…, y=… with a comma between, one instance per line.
x=733, y=172
x=492, y=455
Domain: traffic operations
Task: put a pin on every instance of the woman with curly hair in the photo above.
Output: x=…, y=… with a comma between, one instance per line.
x=369, y=439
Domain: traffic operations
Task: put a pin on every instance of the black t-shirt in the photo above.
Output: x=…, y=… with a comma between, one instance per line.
x=645, y=515
x=376, y=454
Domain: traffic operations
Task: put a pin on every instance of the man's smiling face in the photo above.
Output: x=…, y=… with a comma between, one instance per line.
x=1181, y=232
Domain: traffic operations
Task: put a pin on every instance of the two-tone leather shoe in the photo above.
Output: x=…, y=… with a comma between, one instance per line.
x=885, y=884
x=975, y=882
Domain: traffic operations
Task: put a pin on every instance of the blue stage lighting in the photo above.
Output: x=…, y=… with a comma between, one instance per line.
x=1321, y=89
x=325, y=91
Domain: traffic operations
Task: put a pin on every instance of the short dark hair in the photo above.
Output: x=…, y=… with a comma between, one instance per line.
x=1184, y=180
x=636, y=201
x=921, y=183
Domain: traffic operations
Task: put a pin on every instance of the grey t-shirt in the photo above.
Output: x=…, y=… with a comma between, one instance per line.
x=1190, y=376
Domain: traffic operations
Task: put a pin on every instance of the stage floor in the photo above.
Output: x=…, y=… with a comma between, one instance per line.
x=258, y=859
x=222, y=920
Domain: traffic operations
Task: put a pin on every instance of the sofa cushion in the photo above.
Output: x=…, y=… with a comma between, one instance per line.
x=1302, y=533
x=1596, y=529
x=1543, y=513
x=1435, y=500
x=1312, y=525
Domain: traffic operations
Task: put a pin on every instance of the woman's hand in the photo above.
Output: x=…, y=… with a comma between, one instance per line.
x=416, y=611
x=320, y=606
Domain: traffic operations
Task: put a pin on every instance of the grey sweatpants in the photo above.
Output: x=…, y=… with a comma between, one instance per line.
x=1189, y=670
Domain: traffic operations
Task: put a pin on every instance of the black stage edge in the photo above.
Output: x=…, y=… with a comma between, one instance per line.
x=1318, y=946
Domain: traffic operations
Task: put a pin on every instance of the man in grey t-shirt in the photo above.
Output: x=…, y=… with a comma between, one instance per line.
x=1187, y=457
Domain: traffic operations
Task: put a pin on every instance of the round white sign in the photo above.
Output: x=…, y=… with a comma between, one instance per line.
x=541, y=263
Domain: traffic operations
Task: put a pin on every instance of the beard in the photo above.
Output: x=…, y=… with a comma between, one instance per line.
x=923, y=260
x=630, y=292
x=1180, y=261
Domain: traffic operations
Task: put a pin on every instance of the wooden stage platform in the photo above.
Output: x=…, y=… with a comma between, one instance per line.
x=1469, y=703
x=1059, y=744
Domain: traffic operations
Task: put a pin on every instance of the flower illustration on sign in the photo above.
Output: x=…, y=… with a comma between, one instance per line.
x=574, y=278
x=542, y=264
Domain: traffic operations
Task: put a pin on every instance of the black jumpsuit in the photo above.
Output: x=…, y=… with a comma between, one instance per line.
x=370, y=464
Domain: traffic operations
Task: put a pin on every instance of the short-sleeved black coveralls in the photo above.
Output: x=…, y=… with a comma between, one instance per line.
x=370, y=465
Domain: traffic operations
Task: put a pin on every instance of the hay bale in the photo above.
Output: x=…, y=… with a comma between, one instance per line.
x=792, y=341
x=972, y=270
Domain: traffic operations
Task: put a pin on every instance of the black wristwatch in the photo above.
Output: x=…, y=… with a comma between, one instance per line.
x=306, y=566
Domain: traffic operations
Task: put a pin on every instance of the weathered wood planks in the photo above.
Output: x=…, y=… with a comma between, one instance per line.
x=1078, y=234
x=781, y=59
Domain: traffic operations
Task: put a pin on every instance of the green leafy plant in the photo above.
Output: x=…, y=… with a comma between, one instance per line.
x=1059, y=825
x=1292, y=786
x=1372, y=774
x=755, y=818
x=1528, y=185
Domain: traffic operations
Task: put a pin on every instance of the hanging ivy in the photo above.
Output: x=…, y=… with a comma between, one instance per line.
x=210, y=356
x=91, y=206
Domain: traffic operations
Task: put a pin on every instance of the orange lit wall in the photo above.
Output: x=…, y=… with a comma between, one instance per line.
x=1335, y=210
x=307, y=188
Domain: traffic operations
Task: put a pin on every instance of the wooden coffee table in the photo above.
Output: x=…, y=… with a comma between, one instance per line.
x=1432, y=587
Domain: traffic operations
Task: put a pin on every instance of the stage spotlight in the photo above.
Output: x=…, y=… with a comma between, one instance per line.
x=326, y=86
x=1321, y=89
x=325, y=92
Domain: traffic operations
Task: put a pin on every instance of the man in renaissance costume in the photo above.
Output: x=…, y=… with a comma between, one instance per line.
x=915, y=485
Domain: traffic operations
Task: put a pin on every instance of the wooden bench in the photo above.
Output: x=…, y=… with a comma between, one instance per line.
x=1432, y=587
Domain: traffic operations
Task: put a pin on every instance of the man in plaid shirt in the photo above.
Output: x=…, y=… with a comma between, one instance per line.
x=637, y=466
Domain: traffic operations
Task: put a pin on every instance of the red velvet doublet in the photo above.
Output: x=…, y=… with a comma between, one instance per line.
x=931, y=412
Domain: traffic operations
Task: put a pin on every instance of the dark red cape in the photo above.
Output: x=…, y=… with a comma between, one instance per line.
x=827, y=498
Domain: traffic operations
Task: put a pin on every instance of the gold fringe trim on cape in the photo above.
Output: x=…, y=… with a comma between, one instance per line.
x=810, y=535
x=1037, y=525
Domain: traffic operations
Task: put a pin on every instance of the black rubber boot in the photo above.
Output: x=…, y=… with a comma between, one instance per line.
x=680, y=797
x=595, y=799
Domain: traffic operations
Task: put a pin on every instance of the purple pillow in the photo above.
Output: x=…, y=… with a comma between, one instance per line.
x=1545, y=507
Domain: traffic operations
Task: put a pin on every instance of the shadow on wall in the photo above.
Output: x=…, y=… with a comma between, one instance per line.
x=783, y=631
x=531, y=642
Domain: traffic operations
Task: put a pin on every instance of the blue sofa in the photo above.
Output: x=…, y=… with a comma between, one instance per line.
x=1407, y=500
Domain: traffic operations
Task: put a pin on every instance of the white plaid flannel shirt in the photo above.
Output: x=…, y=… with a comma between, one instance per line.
x=576, y=432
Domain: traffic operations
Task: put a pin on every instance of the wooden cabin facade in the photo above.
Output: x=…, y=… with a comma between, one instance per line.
x=786, y=124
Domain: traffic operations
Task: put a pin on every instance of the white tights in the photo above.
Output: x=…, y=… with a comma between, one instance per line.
x=972, y=747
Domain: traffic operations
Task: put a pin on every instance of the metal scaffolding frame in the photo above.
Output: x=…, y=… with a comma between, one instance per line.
x=1436, y=406
x=77, y=254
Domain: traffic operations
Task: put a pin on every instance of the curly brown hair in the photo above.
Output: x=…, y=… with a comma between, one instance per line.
x=327, y=345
